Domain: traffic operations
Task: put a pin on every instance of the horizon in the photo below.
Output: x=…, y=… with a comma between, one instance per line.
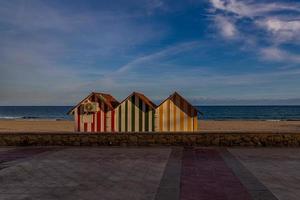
x=213, y=52
x=230, y=102
x=205, y=105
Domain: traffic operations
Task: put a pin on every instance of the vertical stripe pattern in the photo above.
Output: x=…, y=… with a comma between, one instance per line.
x=134, y=115
x=176, y=114
x=101, y=121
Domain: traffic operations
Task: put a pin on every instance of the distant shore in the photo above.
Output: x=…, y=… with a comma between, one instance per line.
x=52, y=125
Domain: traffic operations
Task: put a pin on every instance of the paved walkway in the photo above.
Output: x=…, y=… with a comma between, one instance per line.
x=277, y=168
x=149, y=173
x=205, y=176
x=85, y=173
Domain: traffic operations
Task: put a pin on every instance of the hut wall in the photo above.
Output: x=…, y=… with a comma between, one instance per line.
x=176, y=114
x=133, y=115
x=100, y=121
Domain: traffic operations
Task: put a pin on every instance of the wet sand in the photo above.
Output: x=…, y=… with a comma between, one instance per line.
x=209, y=125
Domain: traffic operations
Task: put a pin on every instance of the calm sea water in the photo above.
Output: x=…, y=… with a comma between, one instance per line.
x=35, y=112
x=210, y=112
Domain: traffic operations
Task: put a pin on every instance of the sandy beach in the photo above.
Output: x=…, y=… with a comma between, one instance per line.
x=207, y=125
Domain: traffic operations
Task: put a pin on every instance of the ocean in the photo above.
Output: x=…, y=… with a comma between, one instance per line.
x=210, y=112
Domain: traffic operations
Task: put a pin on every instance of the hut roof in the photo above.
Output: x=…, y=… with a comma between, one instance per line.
x=143, y=97
x=176, y=94
x=108, y=99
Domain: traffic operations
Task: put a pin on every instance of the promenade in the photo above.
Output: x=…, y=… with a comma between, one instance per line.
x=149, y=173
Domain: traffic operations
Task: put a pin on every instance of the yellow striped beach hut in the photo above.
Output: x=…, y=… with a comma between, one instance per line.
x=176, y=114
x=135, y=114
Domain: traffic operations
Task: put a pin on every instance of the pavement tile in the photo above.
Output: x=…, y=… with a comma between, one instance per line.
x=206, y=176
x=169, y=187
x=277, y=169
x=256, y=189
x=85, y=173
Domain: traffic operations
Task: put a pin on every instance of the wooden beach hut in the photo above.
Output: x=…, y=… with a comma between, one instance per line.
x=176, y=114
x=135, y=114
x=95, y=113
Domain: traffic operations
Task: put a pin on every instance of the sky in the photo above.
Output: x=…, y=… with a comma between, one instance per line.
x=213, y=52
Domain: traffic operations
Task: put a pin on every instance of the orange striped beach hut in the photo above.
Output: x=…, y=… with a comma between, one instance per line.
x=176, y=114
x=95, y=113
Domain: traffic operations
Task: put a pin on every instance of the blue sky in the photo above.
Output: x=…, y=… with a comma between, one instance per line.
x=212, y=51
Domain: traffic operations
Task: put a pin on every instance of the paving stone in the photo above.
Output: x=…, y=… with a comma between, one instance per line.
x=254, y=186
x=278, y=169
x=10, y=155
x=148, y=173
x=169, y=188
x=85, y=173
x=206, y=176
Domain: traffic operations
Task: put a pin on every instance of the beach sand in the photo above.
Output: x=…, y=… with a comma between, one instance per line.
x=36, y=126
x=207, y=125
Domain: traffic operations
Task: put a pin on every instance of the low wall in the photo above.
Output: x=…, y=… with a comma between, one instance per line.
x=152, y=139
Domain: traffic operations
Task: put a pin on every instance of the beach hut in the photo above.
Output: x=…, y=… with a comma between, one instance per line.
x=176, y=114
x=135, y=114
x=95, y=113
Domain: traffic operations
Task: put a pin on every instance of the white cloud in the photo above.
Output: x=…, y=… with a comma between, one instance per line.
x=231, y=6
x=194, y=80
x=282, y=30
x=268, y=23
x=252, y=9
x=170, y=51
x=219, y=4
x=227, y=28
x=276, y=54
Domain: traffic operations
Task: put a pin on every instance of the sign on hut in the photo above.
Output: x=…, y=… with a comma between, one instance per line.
x=135, y=114
x=176, y=114
x=95, y=113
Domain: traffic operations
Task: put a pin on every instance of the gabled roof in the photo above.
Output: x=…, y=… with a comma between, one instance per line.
x=108, y=99
x=141, y=96
x=176, y=94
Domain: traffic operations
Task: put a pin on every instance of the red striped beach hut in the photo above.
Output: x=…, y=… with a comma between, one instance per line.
x=176, y=114
x=95, y=113
x=136, y=113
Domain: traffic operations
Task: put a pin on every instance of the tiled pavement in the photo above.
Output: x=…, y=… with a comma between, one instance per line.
x=205, y=176
x=149, y=173
x=18, y=154
x=86, y=173
x=276, y=168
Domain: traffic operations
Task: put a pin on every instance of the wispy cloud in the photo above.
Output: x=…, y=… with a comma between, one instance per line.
x=276, y=54
x=200, y=79
x=53, y=52
x=251, y=8
x=54, y=48
x=154, y=57
x=144, y=72
x=281, y=30
x=226, y=27
x=266, y=16
x=277, y=23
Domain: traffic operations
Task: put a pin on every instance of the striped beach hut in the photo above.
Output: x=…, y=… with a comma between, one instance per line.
x=95, y=113
x=135, y=114
x=176, y=114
